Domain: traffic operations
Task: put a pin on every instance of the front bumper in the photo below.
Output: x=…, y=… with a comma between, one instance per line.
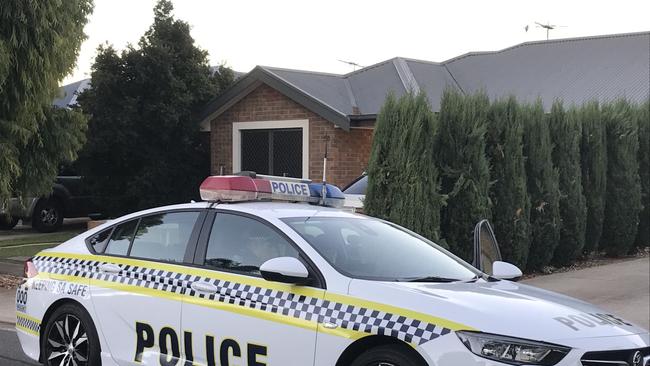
x=449, y=351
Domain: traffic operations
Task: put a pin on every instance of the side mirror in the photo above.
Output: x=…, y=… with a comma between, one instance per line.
x=285, y=270
x=506, y=271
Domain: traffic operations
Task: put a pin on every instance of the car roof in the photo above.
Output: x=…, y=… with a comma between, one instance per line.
x=284, y=209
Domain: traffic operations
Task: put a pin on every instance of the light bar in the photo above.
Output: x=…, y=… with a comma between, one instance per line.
x=251, y=187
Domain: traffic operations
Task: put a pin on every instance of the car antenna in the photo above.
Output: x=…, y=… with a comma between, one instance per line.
x=323, y=192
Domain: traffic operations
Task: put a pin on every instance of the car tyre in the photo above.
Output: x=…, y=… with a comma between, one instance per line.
x=388, y=355
x=70, y=335
x=7, y=223
x=47, y=216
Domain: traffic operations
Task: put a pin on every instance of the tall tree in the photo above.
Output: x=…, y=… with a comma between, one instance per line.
x=144, y=144
x=542, y=185
x=510, y=205
x=403, y=183
x=643, y=120
x=594, y=172
x=566, y=133
x=623, y=200
x=460, y=153
x=39, y=43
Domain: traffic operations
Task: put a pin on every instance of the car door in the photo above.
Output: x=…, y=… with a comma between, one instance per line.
x=235, y=317
x=136, y=291
x=486, y=247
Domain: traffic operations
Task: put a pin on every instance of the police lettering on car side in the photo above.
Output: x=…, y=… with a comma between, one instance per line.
x=274, y=271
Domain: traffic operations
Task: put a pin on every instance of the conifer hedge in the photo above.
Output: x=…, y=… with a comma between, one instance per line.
x=593, y=161
x=555, y=185
x=566, y=133
x=643, y=119
x=460, y=154
x=510, y=205
x=623, y=198
x=403, y=178
x=543, y=190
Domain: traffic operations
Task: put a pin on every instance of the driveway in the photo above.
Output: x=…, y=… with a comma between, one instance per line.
x=622, y=287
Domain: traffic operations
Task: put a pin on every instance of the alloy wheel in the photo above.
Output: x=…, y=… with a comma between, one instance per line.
x=67, y=342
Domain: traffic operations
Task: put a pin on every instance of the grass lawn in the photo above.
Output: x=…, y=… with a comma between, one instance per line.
x=31, y=244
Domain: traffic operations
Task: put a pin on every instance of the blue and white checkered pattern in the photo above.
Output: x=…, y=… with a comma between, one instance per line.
x=346, y=316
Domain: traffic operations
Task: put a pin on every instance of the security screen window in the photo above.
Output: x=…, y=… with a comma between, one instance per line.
x=275, y=152
x=164, y=237
x=376, y=250
x=242, y=244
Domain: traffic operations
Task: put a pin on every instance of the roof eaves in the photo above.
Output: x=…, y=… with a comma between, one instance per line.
x=259, y=75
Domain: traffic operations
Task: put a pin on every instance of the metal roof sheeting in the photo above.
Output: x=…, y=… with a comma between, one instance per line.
x=573, y=70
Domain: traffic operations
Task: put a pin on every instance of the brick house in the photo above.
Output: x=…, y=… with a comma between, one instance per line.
x=277, y=121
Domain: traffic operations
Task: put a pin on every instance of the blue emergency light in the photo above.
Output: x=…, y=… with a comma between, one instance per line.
x=252, y=187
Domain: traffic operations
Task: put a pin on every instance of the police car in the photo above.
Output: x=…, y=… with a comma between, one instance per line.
x=244, y=279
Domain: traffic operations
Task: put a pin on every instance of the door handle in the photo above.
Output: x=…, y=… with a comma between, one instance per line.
x=204, y=287
x=110, y=268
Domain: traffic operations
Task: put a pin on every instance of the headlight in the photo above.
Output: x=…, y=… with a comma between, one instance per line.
x=513, y=351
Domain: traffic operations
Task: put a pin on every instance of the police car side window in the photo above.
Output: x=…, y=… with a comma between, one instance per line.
x=121, y=238
x=241, y=244
x=99, y=240
x=164, y=237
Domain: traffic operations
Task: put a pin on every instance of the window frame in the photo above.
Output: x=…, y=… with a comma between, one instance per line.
x=202, y=248
x=191, y=245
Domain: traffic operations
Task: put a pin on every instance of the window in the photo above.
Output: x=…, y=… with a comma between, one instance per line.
x=242, y=244
x=275, y=152
x=121, y=238
x=375, y=250
x=164, y=237
x=98, y=241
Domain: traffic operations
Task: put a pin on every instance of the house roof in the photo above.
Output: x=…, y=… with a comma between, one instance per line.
x=574, y=70
x=68, y=93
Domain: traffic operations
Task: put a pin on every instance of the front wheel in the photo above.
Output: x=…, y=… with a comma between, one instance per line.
x=47, y=216
x=70, y=339
x=389, y=355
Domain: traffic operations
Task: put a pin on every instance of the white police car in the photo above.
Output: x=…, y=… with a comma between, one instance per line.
x=269, y=283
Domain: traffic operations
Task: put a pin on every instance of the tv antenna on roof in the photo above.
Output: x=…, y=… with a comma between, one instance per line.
x=352, y=63
x=548, y=26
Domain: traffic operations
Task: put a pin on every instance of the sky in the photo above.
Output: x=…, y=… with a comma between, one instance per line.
x=315, y=35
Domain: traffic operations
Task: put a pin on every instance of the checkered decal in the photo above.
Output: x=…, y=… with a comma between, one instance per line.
x=28, y=324
x=350, y=317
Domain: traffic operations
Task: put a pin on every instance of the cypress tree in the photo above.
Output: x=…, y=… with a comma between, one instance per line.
x=460, y=152
x=566, y=134
x=542, y=183
x=623, y=200
x=510, y=206
x=593, y=155
x=403, y=183
x=643, y=119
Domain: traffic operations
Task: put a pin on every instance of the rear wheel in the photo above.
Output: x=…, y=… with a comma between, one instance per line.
x=47, y=216
x=389, y=355
x=70, y=339
x=7, y=223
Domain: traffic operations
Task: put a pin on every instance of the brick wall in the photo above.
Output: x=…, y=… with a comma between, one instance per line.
x=348, y=150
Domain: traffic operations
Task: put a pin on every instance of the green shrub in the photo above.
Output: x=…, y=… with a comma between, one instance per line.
x=403, y=181
x=460, y=153
x=593, y=156
x=623, y=199
x=643, y=118
x=510, y=206
x=542, y=183
x=566, y=133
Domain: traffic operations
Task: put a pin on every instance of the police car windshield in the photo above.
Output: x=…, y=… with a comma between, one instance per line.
x=375, y=250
